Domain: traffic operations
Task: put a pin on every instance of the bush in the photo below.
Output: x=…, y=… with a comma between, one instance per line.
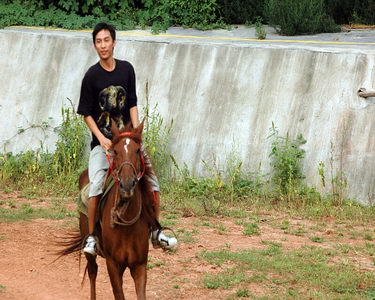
x=156, y=141
x=19, y=14
x=202, y=14
x=241, y=11
x=340, y=10
x=193, y=12
x=70, y=154
x=286, y=156
x=364, y=12
x=74, y=14
x=349, y=11
x=293, y=17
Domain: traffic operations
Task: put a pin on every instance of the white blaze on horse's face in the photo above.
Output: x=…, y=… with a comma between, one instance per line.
x=127, y=142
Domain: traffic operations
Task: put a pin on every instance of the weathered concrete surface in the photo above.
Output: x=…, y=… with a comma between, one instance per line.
x=223, y=95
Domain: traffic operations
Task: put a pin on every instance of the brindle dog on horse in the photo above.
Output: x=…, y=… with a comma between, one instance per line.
x=125, y=220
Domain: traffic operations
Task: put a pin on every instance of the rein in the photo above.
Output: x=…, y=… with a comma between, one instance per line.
x=113, y=171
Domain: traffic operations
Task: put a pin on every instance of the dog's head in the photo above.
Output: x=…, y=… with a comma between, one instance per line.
x=108, y=98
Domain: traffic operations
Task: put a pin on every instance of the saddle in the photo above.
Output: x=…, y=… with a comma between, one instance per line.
x=83, y=196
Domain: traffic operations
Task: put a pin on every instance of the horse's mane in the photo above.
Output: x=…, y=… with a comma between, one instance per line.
x=136, y=137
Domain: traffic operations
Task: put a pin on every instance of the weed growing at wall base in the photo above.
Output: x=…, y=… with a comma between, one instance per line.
x=286, y=155
x=32, y=169
x=156, y=140
x=228, y=190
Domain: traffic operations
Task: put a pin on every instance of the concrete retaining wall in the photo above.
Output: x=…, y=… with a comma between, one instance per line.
x=222, y=98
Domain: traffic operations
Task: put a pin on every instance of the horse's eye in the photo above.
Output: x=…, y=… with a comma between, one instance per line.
x=115, y=152
x=138, y=150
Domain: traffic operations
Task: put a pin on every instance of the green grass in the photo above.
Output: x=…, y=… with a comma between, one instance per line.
x=225, y=279
x=251, y=229
x=187, y=236
x=272, y=243
x=168, y=222
x=285, y=225
x=152, y=265
x=237, y=213
x=26, y=211
x=2, y=288
x=300, y=231
x=316, y=239
x=344, y=249
x=172, y=216
x=309, y=272
x=368, y=236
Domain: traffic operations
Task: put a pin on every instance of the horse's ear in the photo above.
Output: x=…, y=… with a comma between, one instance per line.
x=139, y=128
x=114, y=128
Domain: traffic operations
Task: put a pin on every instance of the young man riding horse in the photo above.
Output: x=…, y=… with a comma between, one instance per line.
x=108, y=93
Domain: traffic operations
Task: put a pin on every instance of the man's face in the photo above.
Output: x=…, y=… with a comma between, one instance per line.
x=104, y=44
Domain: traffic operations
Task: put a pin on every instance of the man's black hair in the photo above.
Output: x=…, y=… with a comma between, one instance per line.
x=101, y=26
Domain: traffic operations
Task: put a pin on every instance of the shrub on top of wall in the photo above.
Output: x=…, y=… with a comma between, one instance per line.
x=241, y=11
x=161, y=14
x=364, y=12
x=124, y=14
x=340, y=10
x=295, y=17
x=351, y=11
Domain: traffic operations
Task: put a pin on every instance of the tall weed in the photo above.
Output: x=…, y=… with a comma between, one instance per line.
x=156, y=136
x=70, y=153
x=286, y=161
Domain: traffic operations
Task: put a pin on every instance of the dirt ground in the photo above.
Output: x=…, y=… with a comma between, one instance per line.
x=27, y=270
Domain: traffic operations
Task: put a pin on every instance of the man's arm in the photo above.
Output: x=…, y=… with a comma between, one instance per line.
x=134, y=116
x=104, y=142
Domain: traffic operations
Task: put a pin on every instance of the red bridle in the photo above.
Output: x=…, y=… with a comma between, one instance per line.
x=111, y=165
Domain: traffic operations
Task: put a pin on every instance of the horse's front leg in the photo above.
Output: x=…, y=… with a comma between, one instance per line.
x=93, y=271
x=115, y=274
x=139, y=274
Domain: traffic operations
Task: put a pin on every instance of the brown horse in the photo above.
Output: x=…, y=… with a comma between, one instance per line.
x=125, y=220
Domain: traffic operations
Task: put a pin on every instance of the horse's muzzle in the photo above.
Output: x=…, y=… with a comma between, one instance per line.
x=127, y=187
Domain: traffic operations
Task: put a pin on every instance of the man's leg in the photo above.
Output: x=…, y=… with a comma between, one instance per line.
x=98, y=164
x=92, y=205
x=158, y=238
x=156, y=204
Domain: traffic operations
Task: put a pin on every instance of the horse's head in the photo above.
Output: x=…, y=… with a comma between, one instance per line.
x=128, y=164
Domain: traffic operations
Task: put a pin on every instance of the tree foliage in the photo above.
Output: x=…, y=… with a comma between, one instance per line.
x=288, y=16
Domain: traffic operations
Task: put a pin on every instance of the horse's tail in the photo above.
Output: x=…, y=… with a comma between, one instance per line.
x=71, y=243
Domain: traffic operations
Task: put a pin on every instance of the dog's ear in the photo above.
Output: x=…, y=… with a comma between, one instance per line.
x=114, y=129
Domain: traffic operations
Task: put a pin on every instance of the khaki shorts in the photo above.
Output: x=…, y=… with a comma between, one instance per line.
x=99, y=165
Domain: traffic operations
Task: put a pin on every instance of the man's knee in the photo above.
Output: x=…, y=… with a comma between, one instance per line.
x=93, y=201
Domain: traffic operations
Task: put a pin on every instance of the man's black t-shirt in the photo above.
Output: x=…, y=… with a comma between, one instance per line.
x=106, y=95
